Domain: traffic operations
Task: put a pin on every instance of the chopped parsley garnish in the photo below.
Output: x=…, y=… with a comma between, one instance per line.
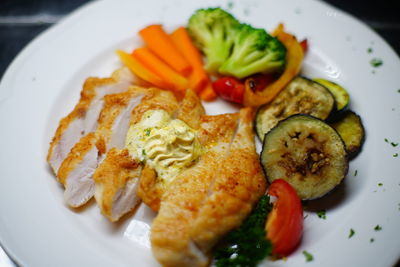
x=386, y=140
x=351, y=233
x=376, y=62
x=355, y=173
x=309, y=257
x=143, y=152
x=247, y=245
x=398, y=90
x=380, y=184
x=395, y=155
x=371, y=240
x=369, y=50
x=322, y=214
x=147, y=131
x=378, y=227
x=394, y=144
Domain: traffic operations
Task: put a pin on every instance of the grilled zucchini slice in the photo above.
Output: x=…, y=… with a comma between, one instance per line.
x=300, y=96
x=342, y=97
x=351, y=129
x=307, y=153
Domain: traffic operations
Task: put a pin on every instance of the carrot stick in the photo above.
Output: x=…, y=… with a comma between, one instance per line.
x=161, y=44
x=198, y=79
x=208, y=93
x=141, y=71
x=157, y=66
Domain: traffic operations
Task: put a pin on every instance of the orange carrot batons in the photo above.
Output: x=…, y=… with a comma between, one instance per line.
x=157, y=66
x=198, y=79
x=140, y=70
x=161, y=44
x=208, y=93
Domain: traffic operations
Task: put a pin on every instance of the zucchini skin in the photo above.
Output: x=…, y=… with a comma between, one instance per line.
x=308, y=185
x=342, y=97
x=300, y=96
x=351, y=129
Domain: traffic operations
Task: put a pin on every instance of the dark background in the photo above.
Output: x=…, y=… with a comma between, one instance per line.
x=22, y=20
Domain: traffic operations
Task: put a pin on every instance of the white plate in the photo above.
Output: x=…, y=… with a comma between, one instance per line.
x=43, y=83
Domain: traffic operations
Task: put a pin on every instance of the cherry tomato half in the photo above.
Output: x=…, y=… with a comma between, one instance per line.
x=229, y=88
x=284, y=225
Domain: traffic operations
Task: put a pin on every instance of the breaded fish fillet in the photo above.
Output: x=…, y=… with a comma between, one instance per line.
x=76, y=171
x=117, y=177
x=150, y=189
x=83, y=118
x=206, y=201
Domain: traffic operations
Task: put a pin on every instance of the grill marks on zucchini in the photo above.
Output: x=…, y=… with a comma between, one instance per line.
x=300, y=96
x=306, y=152
x=351, y=129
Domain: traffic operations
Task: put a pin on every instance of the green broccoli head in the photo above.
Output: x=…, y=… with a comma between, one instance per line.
x=211, y=29
x=254, y=51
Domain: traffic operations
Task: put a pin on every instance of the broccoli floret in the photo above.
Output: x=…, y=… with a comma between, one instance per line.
x=254, y=51
x=211, y=30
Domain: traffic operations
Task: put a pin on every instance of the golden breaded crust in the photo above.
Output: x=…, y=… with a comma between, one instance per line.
x=238, y=185
x=170, y=235
x=78, y=152
x=114, y=104
x=150, y=189
x=190, y=110
x=86, y=96
x=112, y=175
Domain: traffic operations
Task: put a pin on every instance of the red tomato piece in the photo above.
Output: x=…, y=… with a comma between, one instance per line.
x=304, y=45
x=284, y=225
x=258, y=82
x=229, y=88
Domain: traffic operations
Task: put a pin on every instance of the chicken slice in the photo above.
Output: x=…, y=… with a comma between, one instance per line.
x=238, y=185
x=76, y=171
x=151, y=189
x=171, y=229
x=83, y=118
x=116, y=181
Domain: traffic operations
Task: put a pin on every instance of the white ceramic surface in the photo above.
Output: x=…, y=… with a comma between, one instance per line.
x=43, y=83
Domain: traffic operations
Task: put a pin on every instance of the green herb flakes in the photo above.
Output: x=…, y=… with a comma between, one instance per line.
x=355, y=173
x=371, y=240
x=369, y=50
x=147, y=131
x=351, y=233
x=394, y=144
x=378, y=227
x=376, y=62
x=309, y=257
x=386, y=140
x=380, y=184
x=322, y=214
x=395, y=155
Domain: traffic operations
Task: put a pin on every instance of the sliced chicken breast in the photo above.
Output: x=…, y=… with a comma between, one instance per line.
x=211, y=198
x=117, y=177
x=238, y=185
x=170, y=234
x=83, y=118
x=76, y=171
x=151, y=189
